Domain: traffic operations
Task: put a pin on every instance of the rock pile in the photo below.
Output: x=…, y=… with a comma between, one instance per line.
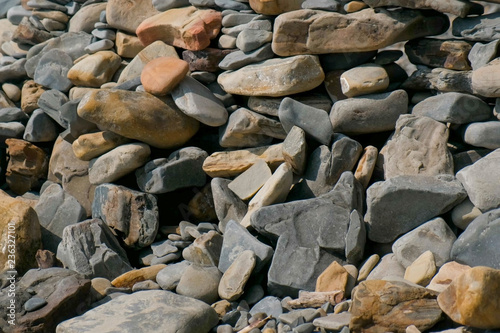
x=249, y=165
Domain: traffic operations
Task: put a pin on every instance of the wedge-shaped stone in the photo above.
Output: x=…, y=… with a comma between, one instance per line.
x=188, y=28
x=274, y=77
x=455, y=7
x=450, y=54
x=275, y=7
x=128, y=15
x=138, y=115
x=309, y=31
x=402, y=203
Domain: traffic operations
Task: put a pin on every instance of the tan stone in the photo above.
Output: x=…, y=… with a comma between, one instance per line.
x=98, y=288
x=309, y=31
x=128, y=15
x=79, y=92
x=127, y=45
x=472, y=298
x=28, y=164
x=486, y=81
x=232, y=163
x=275, y=7
x=234, y=279
x=354, y=6
x=53, y=15
x=12, y=91
x=274, y=77
x=222, y=307
x=422, y=270
x=447, y=273
x=366, y=165
x=188, y=28
x=249, y=182
x=161, y=75
x=20, y=235
x=138, y=115
x=91, y=145
x=5, y=102
x=334, y=277
x=30, y=93
x=95, y=69
x=295, y=150
x=368, y=266
x=127, y=280
x=7, y=30
x=364, y=79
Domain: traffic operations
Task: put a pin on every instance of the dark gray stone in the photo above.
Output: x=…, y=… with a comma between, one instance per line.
x=238, y=59
x=34, y=304
x=355, y=238
x=163, y=5
x=52, y=70
x=348, y=193
x=228, y=206
x=40, y=128
x=183, y=168
x=478, y=244
x=145, y=311
x=13, y=72
x=169, y=277
x=238, y=239
x=91, y=249
x=249, y=40
x=57, y=209
x=481, y=54
x=397, y=205
x=313, y=121
x=270, y=105
x=269, y=305
x=484, y=28
x=329, y=5
x=485, y=134
x=12, y=114
x=48, y=5
x=453, y=107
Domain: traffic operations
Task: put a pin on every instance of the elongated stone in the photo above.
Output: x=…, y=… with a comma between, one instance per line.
x=275, y=7
x=128, y=15
x=455, y=7
x=309, y=31
x=478, y=28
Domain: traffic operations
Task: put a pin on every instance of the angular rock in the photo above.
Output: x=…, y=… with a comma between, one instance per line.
x=95, y=69
x=303, y=31
x=355, y=238
x=269, y=305
x=228, y=206
x=484, y=80
x=163, y=74
x=134, y=114
x=91, y=249
x=200, y=283
x=388, y=268
x=295, y=149
x=366, y=165
x=92, y=145
x=334, y=321
x=130, y=15
x=250, y=39
x=296, y=74
x=434, y=235
x=481, y=54
x=363, y=80
x=52, y=70
x=136, y=219
x=14, y=71
x=333, y=278
x=275, y=7
x=446, y=274
x=40, y=128
x=483, y=134
x=234, y=279
x=426, y=140
x=479, y=180
x=250, y=181
x=27, y=33
x=479, y=28
x=369, y=114
x=146, y=310
x=450, y=54
x=400, y=204
x=50, y=102
x=188, y=28
x=205, y=250
x=422, y=270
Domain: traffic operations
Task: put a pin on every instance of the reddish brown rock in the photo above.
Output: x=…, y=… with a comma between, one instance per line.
x=188, y=28
x=205, y=60
x=161, y=75
x=30, y=94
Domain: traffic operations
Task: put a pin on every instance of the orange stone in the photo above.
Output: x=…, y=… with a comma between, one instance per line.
x=188, y=28
x=334, y=277
x=161, y=75
x=128, y=279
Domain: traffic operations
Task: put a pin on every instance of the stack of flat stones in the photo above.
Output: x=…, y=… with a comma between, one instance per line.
x=250, y=165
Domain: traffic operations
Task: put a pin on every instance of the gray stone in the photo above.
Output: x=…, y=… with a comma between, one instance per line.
x=481, y=54
x=329, y=5
x=235, y=278
x=388, y=268
x=270, y=105
x=369, y=113
x=252, y=25
x=86, y=17
x=5, y=5
x=477, y=245
x=11, y=130
x=200, y=283
x=12, y=114
x=205, y=250
x=453, y=107
x=163, y=5
x=104, y=34
x=269, y=305
x=45, y=4
x=162, y=248
x=131, y=214
x=335, y=321
x=232, y=18
x=13, y=72
x=228, y=206
x=197, y=101
x=91, y=249
x=51, y=102
x=464, y=213
x=426, y=139
x=203, y=3
x=101, y=45
x=166, y=259
x=34, y=304
x=295, y=149
x=458, y=8
x=483, y=28
x=145, y=285
x=251, y=39
x=183, y=168
x=57, y=209
x=355, y=238
x=481, y=181
x=313, y=121
x=238, y=59
x=69, y=118
x=485, y=134
x=236, y=240
x=53, y=25
x=169, y=277
x=145, y=310
x=290, y=317
x=52, y=70
x=40, y=128
x=348, y=193
x=434, y=235
x=397, y=205
x=231, y=4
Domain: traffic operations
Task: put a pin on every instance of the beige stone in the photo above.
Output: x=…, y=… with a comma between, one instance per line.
x=127, y=280
x=86, y=17
x=368, y=266
x=12, y=91
x=20, y=235
x=161, y=75
x=5, y=102
x=471, y=299
x=447, y=273
x=366, y=165
x=7, y=30
x=334, y=277
x=422, y=270
x=188, y=28
x=138, y=115
x=295, y=150
x=233, y=163
x=249, y=182
x=128, y=15
x=95, y=69
x=275, y=7
x=98, y=288
x=234, y=279
x=127, y=45
x=486, y=81
x=30, y=93
x=363, y=80
x=274, y=77
x=79, y=92
x=91, y=145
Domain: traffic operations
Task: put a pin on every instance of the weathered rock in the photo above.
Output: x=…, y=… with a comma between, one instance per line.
x=468, y=300
x=200, y=283
x=422, y=270
x=435, y=235
x=130, y=15
x=234, y=279
x=189, y=28
x=127, y=45
x=27, y=33
x=426, y=139
x=400, y=204
x=304, y=31
x=128, y=279
x=90, y=249
x=136, y=219
x=450, y=54
x=169, y=277
x=204, y=60
x=378, y=306
x=162, y=74
x=446, y=274
x=296, y=74
x=92, y=145
x=295, y=149
x=481, y=54
x=14, y=71
x=228, y=206
x=479, y=28
x=40, y=128
x=366, y=165
x=333, y=321
x=52, y=70
x=334, y=277
x=205, y=250
x=249, y=182
x=30, y=94
x=479, y=180
x=95, y=69
x=269, y=305
x=146, y=310
x=483, y=134
x=135, y=114
x=369, y=114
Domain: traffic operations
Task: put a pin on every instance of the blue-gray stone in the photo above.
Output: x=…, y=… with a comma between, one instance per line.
x=72, y=7
x=169, y=277
x=13, y=72
x=481, y=54
x=355, y=239
x=34, y=304
x=269, y=305
x=70, y=119
x=329, y=5
x=238, y=59
x=231, y=4
x=203, y=3
x=5, y=5
x=104, y=34
x=483, y=134
x=7, y=60
x=12, y=114
x=45, y=4
x=233, y=18
x=166, y=259
x=51, y=102
x=252, y=25
x=40, y=128
x=16, y=14
x=249, y=40
x=163, y=5
x=11, y=130
x=102, y=45
x=228, y=206
x=52, y=70
x=482, y=28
